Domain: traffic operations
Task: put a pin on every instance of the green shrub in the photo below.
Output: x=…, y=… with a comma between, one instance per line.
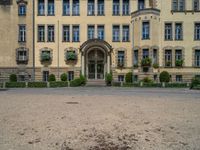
x=37, y=84
x=129, y=77
x=164, y=77
x=147, y=80
x=176, y=85
x=71, y=55
x=51, y=78
x=179, y=63
x=58, y=84
x=116, y=84
x=195, y=83
x=13, y=78
x=63, y=77
x=45, y=56
x=152, y=84
x=1, y=85
x=76, y=82
x=156, y=66
x=146, y=61
x=15, y=84
x=83, y=80
x=109, y=79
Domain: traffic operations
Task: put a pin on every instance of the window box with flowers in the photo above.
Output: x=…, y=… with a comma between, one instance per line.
x=146, y=62
x=71, y=57
x=46, y=57
x=179, y=63
x=120, y=64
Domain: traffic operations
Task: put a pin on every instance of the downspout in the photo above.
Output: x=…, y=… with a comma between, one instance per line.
x=33, y=25
x=132, y=45
x=58, y=70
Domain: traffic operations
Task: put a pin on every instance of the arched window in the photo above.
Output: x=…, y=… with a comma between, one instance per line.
x=22, y=7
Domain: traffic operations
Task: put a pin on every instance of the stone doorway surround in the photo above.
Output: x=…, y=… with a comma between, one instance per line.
x=99, y=45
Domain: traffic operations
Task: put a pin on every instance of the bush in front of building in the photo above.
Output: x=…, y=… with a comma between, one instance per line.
x=15, y=85
x=164, y=77
x=58, y=84
x=129, y=77
x=37, y=84
x=63, y=77
x=13, y=78
x=176, y=85
x=83, y=80
x=76, y=82
x=108, y=79
x=51, y=78
x=195, y=83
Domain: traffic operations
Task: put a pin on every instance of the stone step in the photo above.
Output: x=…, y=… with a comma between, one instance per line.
x=96, y=83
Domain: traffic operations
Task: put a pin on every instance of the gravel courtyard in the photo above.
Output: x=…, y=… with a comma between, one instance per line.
x=103, y=118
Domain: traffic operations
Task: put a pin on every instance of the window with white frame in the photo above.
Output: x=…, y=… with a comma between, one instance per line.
x=135, y=58
x=145, y=30
x=41, y=33
x=155, y=56
x=100, y=31
x=121, y=57
x=116, y=7
x=196, y=5
x=179, y=78
x=22, y=54
x=168, y=58
x=168, y=31
x=51, y=7
x=125, y=9
x=91, y=8
x=145, y=53
x=178, y=31
x=197, y=31
x=66, y=7
x=91, y=32
x=45, y=76
x=178, y=54
x=125, y=33
x=22, y=33
x=22, y=10
x=197, y=58
x=66, y=33
x=51, y=33
x=75, y=33
x=178, y=5
x=41, y=7
x=141, y=4
x=75, y=8
x=100, y=10
x=116, y=33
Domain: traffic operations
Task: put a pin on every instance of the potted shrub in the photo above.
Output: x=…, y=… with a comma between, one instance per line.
x=63, y=77
x=109, y=79
x=120, y=64
x=155, y=66
x=135, y=66
x=168, y=64
x=45, y=57
x=51, y=78
x=71, y=56
x=179, y=63
x=146, y=62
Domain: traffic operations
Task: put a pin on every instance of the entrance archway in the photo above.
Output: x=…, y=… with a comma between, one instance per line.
x=96, y=59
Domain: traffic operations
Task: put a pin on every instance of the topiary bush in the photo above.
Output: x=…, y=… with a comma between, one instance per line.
x=129, y=77
x=109, y=79
x=76, y=82
x=63, y=77
x=51, y=78
x=147, y=80
x=58, y=84
x=13, y=78
x=164, y=77
x=37, y=84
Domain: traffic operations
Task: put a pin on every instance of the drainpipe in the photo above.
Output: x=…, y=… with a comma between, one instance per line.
x=33, y=25
x=58, y=70
x=132, y=45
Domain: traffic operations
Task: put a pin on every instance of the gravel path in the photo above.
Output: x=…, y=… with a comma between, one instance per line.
x=100, y=119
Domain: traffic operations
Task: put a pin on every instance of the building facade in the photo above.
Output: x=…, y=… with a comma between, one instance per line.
x=95, y=37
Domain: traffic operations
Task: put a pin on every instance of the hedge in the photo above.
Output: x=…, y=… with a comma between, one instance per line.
x=37, y=84
x=131, y=85
x=152, y=85
x=176, y=85
x=75, y=82
x=58, y=84
x=116, y=84
x=15, y=85
x=1, y=85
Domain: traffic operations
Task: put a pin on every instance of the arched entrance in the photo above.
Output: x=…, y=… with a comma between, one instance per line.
x=96, y=59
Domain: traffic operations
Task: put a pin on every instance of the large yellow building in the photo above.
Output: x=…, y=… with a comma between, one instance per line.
x=95, y=37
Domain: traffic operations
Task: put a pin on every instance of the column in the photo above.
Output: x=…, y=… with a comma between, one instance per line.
x=83, y=65
x=108, y=64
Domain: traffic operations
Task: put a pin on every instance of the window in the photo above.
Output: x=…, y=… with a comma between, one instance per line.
x=50, y=33
x=155, y=56
x=121, y=78
x=116, y=7
x=100, y=10
x=168, y=31
x=155, y=77
x=41, y=8
x=197, y=58
x=66, y=33
x=75, y=8
x=121, y=58
x=70, y=75
x=141, y=4
x=125, y=33
x=66, y=7
x=168, y=58
x=125, y=10
x=75, y=32
x=45, y=76
x=100, y=31
x=135, y=78
x=116, y=33
x=195, y=5
x=22, y=10
x=145, y=30
x=145, y=53
x=178, y=54
x=178, y=5
x=197, y=31
x=41, y=33
x=178, y=31
x=135, y=58
x=51, y=7
x=179, y=78
x=91, y=8
x=91, y=32
x=22, y=55
x=22, y=33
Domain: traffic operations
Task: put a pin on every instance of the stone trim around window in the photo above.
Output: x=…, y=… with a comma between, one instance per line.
x=51, y=55
x=125, y=56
